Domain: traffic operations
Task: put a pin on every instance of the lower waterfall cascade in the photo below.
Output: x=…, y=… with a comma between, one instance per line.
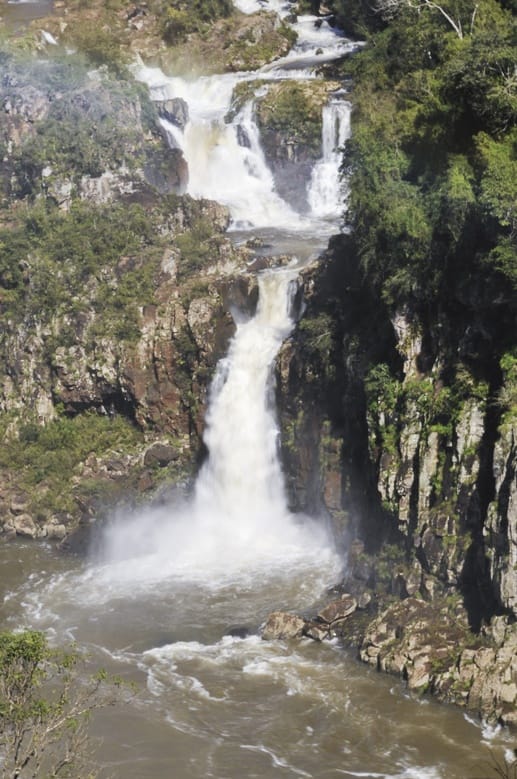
x=172, y=596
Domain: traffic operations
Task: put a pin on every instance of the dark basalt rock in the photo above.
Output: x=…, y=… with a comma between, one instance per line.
x=174, y=110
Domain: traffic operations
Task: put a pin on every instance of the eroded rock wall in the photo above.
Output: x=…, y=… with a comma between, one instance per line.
x=404, y=434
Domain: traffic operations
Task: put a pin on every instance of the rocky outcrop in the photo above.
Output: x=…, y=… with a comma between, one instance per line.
x=411, y=451
x=289, y=118
x=431, y=646
x=327, y=623
x=68, y=133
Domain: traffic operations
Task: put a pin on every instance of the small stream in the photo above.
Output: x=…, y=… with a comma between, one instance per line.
x=172, y=598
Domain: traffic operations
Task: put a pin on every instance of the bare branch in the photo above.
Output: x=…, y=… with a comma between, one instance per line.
x=388, y=9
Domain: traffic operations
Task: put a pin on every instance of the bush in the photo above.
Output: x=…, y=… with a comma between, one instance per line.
x=45, y=703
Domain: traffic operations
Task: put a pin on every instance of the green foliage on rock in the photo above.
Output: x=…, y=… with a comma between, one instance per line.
x=317, y=337
x=181, y=18
x=294, y=109
x=46, y=456
x=99, y=258
x=87, y=131
x=433, y=154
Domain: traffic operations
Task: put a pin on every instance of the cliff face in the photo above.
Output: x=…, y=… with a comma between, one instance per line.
x=408, y=440
x=115, y=293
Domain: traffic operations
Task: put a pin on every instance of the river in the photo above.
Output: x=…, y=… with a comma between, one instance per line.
x=172, y=598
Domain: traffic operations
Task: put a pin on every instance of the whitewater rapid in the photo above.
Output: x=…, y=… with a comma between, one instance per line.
x=224, y=155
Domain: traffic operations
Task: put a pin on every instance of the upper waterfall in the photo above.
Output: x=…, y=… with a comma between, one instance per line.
x=326, y=192
x=223, y=149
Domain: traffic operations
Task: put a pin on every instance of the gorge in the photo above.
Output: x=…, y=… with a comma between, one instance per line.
x=358, y=436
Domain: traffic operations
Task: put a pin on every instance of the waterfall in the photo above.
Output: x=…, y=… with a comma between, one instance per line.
x=325, y=192
x=237, y=523
x=237, y=526
x=227, y=164
x=242, y=476
x=225, y=159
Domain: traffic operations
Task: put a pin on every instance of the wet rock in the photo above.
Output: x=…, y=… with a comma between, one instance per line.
x=25, y=526
x=338, y=609
x=316, y=630
x=174, y=110
x=281, y=625
x=238, y=631
x=55, y=532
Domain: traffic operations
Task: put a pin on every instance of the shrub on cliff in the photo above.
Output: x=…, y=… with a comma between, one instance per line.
x=181, y=18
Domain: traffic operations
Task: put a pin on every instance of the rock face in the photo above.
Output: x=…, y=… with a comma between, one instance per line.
x=174, y=110
x=289, y=118
x=403, y=430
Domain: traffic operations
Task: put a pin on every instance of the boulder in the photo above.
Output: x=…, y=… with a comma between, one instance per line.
x=280, y=625
x=174, y=110
x=160, y=455
x=25, y=526
x=318, y=631
x=338, y=609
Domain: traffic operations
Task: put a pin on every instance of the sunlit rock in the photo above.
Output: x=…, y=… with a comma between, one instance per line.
x=281, y=625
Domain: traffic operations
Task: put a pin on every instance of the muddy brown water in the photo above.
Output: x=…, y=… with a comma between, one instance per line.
x=16, y=14
x=210, y=705
x=213, y=705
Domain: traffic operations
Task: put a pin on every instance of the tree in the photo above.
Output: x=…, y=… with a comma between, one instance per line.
x=388, y=9
x=45, y=704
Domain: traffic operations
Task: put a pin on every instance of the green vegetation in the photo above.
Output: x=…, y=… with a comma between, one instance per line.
x=46, y=456
x=181, y=18
x=295, y=110
x=196, y=246
x=318, y=334
x=92, y=258
x=433, y=155
x=89, y=127
x=46, y=699
x=508, y=393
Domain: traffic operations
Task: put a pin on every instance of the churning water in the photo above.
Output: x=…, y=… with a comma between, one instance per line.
x=174, y=597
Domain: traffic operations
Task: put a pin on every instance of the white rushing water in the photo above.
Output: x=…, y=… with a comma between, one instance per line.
x=280, y=7
x=326, y=190
x=237, y=525
x=225, y=158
